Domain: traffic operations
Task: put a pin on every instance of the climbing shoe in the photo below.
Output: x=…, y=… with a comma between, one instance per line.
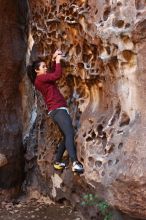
x=77, y=167
x=59, y=165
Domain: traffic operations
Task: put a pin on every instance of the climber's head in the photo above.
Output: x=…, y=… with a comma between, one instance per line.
x=38, y=67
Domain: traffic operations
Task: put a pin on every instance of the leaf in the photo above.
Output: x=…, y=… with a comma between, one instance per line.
x=83, y=203
x=86, y=196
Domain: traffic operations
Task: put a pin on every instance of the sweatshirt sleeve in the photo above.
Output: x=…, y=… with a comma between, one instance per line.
x=53, y=65
x=52, y=76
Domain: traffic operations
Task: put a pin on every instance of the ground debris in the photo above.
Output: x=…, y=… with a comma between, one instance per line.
x=36, y=210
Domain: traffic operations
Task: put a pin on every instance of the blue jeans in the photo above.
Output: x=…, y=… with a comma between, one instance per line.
x=64, y=122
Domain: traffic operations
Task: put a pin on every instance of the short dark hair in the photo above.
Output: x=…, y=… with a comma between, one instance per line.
x=31, y=70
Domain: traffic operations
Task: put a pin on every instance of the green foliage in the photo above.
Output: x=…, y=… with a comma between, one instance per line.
x=89, y=200
x=102, y=205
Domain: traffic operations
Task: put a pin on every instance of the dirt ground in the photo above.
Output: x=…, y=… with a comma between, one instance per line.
x=37, y=211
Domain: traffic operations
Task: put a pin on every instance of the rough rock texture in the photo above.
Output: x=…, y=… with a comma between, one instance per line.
x=3, y=160
x=13, y=46
x=104, y=84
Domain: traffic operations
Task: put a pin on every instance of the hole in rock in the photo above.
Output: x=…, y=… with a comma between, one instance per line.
x=90, y=120
x=62, y=185
x=119, y=131
x=117, y=161
x=109, y=148
x=89, y=131
x=96, y=11
x=127, y=54
x=63, y=12
x=106, y=13
x=53, y=7
x=120, y=146
x=97, y=74
x=82, y=159
x=99, y=128
x=119, y=4
x=91, y=161
x=39, y=157
x=78, y=49
x=104, y=142
x=86, y=58
x=60, y=7
x=81, y=65
x=70, y=19
x=140, y=4
x=110, y=174
x=93, y=63
x=127, y=25
x=108, y=50
x=50, y=16
x=125, y=152
x=81, y=101
x=89, y=139
x=64, y=35
x=84, y=135
x=125, y=120
x=93, y=134
x=75, y=14
x=38, y=17
x=119, y=23
x=93, y=47
x=102, y=173
x=125, y=38
x=64, y=5
x=63, y=201
x=110, y=162
x=98, y=163
x=92, y=71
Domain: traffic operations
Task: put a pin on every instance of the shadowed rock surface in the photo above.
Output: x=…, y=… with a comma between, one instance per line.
x=13, y=47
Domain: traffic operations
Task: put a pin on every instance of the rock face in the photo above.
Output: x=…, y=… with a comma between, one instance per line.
x=13, y=46
x=3, y=160
x=104, y=84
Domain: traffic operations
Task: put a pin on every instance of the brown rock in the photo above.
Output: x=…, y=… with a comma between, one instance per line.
x=13, y=47
x=104, y=83
x=3, y=160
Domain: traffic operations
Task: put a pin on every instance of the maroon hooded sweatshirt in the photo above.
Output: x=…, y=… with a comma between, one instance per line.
x=45, y=83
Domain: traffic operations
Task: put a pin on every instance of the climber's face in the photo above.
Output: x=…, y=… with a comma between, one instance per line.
x=41, y=69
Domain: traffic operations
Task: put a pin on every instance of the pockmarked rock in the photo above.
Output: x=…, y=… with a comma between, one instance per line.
x=104, y=80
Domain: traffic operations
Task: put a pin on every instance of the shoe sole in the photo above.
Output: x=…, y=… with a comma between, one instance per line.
x=78, y=171
x=57, y=167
